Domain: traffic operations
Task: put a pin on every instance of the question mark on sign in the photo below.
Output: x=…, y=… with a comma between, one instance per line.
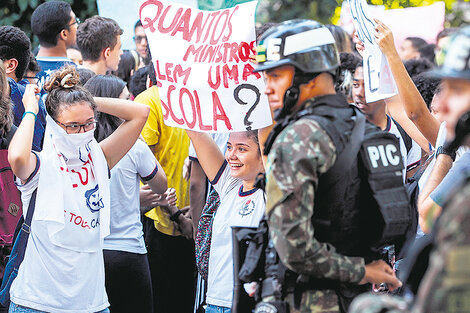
x=236, y=95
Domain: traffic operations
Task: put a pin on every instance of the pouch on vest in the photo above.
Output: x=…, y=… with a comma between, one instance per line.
x=383, y=165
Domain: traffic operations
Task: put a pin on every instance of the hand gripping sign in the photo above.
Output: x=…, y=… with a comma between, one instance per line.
x=378, y=79
x=205, y=77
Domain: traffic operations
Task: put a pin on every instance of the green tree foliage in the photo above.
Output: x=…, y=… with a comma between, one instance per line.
x=18, y=12
x=327, y=11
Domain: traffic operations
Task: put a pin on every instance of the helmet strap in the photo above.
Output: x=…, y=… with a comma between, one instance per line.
x=291, y=96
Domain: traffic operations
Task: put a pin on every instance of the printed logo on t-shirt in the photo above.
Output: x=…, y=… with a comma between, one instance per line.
x=247, y=208
x=93, y=200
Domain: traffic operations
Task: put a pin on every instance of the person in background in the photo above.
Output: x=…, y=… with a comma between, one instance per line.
x=171, y=254
x=442, y=41
x=15, y=55
x=141, y=43
x=127, y=271
x=85, y=75
x=74, y=54
x=410, y=48
x=6, y=131
x=428, y=52
x=139, y=81
x=343, y=41
x=99, y=40
x=417, y=66
x=55, y=25
x=375, y=113
x=30, y=76
x=130, y=62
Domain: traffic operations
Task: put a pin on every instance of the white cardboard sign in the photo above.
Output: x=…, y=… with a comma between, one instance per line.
x=378, y=79
x=205, y=79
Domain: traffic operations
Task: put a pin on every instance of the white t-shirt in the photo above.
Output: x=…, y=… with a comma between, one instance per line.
x=411, y=158
x=125, y=226
x=237, y=208
x=57, y=279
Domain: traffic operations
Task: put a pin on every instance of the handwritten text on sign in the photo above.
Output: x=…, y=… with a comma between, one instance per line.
x=378, y=79
x=206, y=81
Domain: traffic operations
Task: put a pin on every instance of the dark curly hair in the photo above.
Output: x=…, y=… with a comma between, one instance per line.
x=427, y=86
x=14, y=44
x=96, y=34
x=418, y=66
x=64, y=91
x=48, y=19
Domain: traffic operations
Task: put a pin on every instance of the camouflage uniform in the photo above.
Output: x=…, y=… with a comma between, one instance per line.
x=446, y=285
x=300, y=154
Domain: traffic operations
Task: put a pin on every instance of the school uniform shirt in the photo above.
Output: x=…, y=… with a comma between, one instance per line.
x=125, y=226
x=412, y=157
x=53, y=278
x=237, y=208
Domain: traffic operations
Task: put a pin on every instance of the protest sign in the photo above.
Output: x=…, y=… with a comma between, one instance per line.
x=126, y=13
x=205, y=78
x=405, y=22
x=378, y=80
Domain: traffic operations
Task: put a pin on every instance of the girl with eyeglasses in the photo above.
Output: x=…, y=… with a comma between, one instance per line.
x=63, y=268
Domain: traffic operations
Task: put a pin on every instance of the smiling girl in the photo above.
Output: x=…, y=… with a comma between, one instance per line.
x=241, y=204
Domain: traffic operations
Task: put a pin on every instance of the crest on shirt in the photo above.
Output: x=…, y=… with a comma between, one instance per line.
x=247, y=208
x=93, y=200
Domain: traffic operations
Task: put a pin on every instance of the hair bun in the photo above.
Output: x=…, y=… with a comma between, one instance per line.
x=64, y=78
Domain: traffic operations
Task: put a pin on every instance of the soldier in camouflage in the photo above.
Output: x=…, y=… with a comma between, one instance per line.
x=445, y=287
x=299, y=61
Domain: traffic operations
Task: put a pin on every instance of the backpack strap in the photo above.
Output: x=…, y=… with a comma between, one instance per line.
x=29, y=215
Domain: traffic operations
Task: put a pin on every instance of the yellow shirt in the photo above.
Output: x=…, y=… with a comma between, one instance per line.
x=171, y=149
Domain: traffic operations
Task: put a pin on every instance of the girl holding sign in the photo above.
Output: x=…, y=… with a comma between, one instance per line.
x=241, y=204
x=63, y=268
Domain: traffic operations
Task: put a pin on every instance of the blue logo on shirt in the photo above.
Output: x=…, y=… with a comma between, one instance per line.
x=247, y=208
x=93, y=199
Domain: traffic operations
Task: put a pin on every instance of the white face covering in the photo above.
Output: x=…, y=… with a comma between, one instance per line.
x=74, y=147
x=61, y=154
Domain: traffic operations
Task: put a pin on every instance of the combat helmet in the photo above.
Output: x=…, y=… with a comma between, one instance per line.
x=305, y=44
x=457, y=57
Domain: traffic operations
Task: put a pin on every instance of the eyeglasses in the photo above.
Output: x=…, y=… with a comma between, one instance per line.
x=139, y=39
x=77, y=21
x=76, y=128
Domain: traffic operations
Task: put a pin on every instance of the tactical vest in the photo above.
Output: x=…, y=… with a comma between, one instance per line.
x=361, y=204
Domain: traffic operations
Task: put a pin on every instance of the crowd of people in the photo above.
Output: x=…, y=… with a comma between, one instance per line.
x=347, y=204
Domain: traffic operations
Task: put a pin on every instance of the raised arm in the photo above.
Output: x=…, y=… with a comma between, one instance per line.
x=158, y=183
x=413, y=103
x=20, y=157
x=208, y=153
x=119, y=142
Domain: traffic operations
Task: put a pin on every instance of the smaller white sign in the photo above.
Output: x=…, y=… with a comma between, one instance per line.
x=378, y=78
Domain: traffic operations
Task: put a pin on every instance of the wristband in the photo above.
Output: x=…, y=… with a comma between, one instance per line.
x=442, y=150
x=174, y=216
x=30, y=112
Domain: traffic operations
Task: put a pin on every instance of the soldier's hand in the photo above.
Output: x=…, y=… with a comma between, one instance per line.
x=378, y=272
